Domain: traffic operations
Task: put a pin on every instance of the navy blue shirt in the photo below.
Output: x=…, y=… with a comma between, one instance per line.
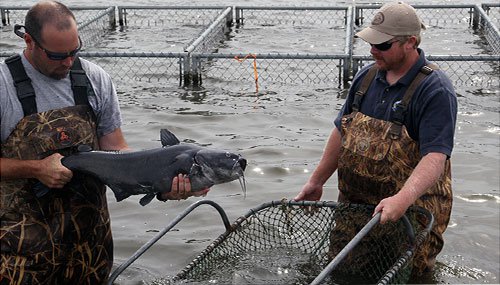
x=431, y=115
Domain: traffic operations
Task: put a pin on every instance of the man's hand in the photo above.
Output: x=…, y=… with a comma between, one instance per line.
x=181, y=189
x=393, y=207
x=52, y=173
x=310, y=192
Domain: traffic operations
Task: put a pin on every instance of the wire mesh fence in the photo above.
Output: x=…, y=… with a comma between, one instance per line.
x=319, y=49
x=464, y=71
x=254, y=72
x=148, y=16
x=305, y=30
x=488, y=28
x=155, y=68
x=493, y=12
x=93, y=22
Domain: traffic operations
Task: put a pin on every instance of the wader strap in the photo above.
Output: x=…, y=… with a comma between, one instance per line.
x=79, y=83
x=398, y=117
x=365, y=84
x=22, y=82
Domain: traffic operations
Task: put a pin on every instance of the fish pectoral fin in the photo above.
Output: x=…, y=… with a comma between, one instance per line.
x=168, y=138
x=120, y=194
x=147, y=199
x=84, y=148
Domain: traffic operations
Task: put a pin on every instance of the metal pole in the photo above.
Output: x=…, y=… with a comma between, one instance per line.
x=152, y=241
x=343, y=253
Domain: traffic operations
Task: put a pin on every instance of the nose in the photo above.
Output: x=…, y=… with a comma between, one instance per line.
x=374, y=50
x=68, y=62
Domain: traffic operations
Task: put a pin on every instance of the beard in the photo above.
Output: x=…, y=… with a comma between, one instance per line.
x=389, y=63
x=49, y=69
x=58, y=74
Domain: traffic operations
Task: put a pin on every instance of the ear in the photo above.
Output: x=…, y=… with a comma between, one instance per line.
x=30, y=43
x=411, y=42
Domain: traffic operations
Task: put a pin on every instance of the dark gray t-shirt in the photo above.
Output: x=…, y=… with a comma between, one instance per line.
x=55, y=94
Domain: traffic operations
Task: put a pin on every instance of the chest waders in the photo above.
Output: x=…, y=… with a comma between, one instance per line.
x=378, y=156
x=64, y=236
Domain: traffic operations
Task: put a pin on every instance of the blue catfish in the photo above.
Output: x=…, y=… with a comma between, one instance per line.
x=151, y=171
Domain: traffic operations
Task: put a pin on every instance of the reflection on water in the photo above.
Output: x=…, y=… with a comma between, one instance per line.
x=271, y=266
x=480, y=198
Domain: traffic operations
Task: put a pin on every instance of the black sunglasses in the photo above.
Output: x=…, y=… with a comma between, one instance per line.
x=50, y=54
x=384, y=46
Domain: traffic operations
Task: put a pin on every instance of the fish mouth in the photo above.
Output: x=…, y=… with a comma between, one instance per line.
x=238, y=167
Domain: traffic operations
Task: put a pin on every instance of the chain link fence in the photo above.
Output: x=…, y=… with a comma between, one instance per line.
x=244, y=73
x=155, y=68
x=493, y=12
x=232, y=47
x=93, y=22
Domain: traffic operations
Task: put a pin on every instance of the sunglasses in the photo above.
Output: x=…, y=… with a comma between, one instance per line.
x=384, y=46
x=50, y=54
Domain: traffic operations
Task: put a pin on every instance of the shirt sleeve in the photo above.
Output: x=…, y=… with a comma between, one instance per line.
x=437, y=113
x=105, y=104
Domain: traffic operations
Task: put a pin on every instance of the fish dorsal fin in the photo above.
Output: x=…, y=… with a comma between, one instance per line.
x=167, y=138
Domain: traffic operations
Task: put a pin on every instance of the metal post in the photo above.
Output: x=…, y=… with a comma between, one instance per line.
x=239, y=15
x=4, y=19
x=195, y=71
x=112, y=18
x=475, y=17
x=343, y=253
x=347, y=66
x=186, y=67
x=229, y=18
x=121, y=12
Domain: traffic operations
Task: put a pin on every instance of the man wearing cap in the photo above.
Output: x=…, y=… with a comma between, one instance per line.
x=50, y=102
x=394, y=135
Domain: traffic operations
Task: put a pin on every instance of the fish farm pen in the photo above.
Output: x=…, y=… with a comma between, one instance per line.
x=254, y=50
x=223, y=46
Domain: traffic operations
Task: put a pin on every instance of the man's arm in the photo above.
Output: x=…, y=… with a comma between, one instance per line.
x=424, y=176
x=113, y=141
x=49, y=170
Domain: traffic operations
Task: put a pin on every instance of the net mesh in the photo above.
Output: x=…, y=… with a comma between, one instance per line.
x=292, y=242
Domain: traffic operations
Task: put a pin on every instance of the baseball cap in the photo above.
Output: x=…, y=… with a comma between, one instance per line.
x=392, y=19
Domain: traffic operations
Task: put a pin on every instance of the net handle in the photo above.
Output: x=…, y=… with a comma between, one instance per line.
x=152, y=241
x=343, y=253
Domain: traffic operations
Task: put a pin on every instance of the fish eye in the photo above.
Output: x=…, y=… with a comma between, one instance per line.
x=228, y=154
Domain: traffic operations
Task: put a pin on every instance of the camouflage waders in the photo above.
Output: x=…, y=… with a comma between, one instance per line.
x=63, y=237
x=374, y=164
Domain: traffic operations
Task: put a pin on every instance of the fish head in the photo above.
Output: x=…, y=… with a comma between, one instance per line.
x=216, y=167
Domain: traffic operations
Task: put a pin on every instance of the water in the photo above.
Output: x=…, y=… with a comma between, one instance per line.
x=270, y=266
x=282, y=134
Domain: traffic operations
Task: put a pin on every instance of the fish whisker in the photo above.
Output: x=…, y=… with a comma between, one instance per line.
x=243, y=185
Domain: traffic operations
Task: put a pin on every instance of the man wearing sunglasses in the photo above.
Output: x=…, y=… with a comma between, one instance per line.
x=55, y=226
x=394, y=135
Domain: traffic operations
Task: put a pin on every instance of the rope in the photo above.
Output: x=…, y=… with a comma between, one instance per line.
x=255, y=73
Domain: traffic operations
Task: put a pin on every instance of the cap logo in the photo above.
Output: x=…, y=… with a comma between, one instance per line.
x=378, y=19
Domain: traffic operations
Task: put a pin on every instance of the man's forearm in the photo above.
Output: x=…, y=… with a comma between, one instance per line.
x=424, y=176
x=15, y=168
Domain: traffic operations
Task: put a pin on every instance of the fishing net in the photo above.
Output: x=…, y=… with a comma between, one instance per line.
x=287, y=242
